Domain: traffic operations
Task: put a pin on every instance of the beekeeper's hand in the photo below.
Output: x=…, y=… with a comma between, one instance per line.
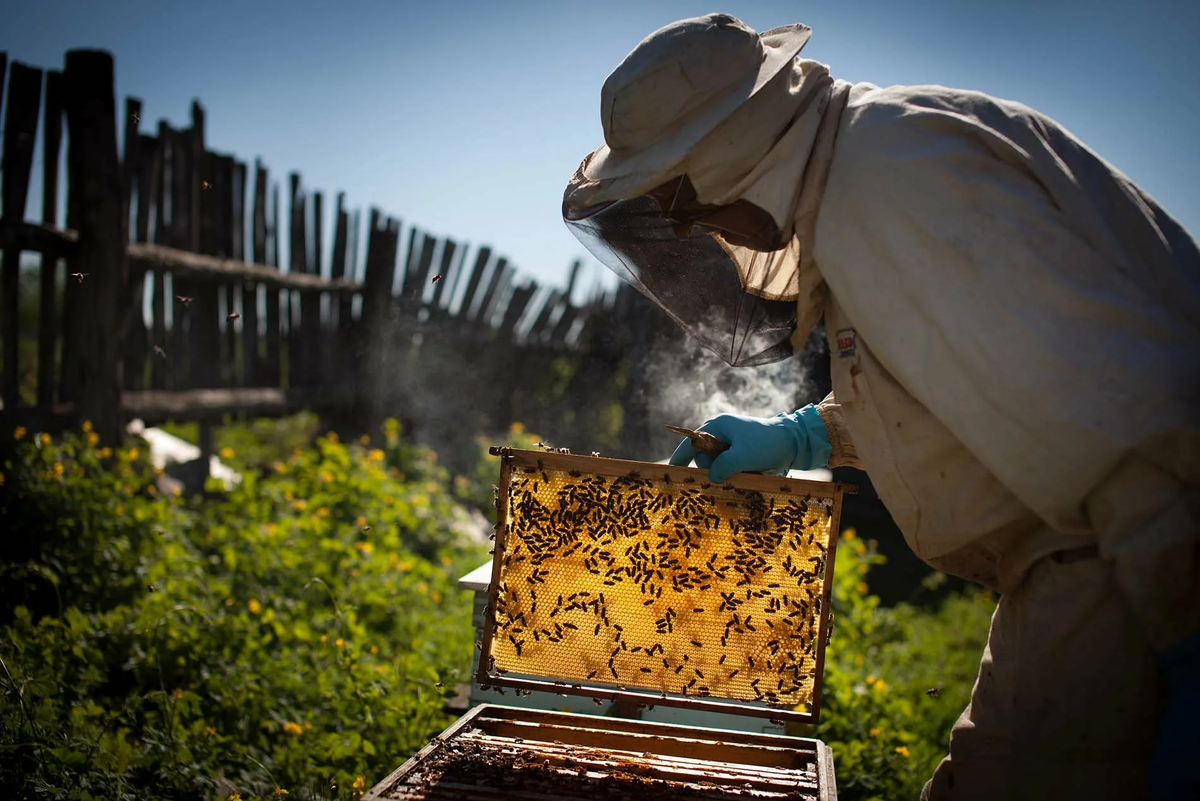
x=1173, y=775
x=761, y=444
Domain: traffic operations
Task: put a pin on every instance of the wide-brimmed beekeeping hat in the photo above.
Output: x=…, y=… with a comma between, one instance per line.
x=674, y=88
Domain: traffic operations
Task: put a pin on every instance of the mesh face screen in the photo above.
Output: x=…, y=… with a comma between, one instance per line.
x=665, y=584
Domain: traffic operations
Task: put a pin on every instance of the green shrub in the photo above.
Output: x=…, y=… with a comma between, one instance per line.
x=896, y=679
x=301, y=632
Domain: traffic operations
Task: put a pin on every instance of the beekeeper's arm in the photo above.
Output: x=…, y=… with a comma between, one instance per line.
x=807, y=439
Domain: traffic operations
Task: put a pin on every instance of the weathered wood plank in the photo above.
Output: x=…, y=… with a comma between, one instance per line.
x=274, y=332
x=481, y=262
x=251, y=360
x=485, y=302
x=516, y=307
x=20, y=135
x=94, y=175
x=443, y=277
x=159, y=369
x=133, y=165
x=52, y=118
x=418, y=272
x=129, y=158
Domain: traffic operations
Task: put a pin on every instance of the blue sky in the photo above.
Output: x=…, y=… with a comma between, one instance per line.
x=466, y=119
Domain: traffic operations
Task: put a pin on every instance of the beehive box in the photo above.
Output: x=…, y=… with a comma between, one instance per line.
x=645, y=584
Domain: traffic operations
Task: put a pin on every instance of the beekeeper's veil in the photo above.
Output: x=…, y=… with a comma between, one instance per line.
x=700, y=195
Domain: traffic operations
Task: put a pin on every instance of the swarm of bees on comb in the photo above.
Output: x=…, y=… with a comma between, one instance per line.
x=676, y=586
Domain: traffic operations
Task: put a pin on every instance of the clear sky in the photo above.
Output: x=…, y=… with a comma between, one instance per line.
x=467, y=118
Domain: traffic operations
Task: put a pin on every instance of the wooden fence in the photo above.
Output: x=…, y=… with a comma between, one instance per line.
x=163, y=296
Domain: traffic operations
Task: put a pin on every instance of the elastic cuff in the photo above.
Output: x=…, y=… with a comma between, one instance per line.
x=814, y=451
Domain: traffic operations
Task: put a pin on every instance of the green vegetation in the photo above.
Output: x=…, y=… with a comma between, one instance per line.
x=896, y=678
x=302, y=632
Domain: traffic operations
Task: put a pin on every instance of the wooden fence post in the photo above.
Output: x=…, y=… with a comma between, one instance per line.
x=20, y=132
x=94, y=175
x=48, y=294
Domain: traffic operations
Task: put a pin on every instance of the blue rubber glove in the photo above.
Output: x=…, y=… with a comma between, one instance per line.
x=1173, y=774
x=761, y=444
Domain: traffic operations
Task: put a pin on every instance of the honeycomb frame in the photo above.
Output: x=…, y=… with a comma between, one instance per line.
x=641, y=620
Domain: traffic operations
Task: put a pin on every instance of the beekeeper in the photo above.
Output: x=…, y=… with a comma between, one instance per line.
x=1015, y=346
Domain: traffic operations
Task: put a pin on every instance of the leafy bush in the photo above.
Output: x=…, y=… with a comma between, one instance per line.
x=896, y=679
x=301, y=632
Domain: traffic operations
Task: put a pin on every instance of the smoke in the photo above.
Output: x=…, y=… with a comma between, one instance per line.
x=687, y=384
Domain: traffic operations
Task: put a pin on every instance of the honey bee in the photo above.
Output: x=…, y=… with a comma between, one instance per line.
x=184, y=299
x=232, y=316
x=80, y=276
x=934, y=692
x=160, y=352
x=436, y=278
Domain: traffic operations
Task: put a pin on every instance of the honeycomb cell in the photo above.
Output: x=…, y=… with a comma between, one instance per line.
x=660, y=581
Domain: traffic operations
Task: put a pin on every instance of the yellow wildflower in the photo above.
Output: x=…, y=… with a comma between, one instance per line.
x=236, y=796
x=388, y=500
x=58, y=469
x=360, y=521
x=332, y=436
x=280, y=792
x=374, y=649
x=863, y=568
x=435, y=596
x=422, y=587
x=292, y=728
x=446, y=561
x=93, y=439
x=381, y=668
x=229, y=602
x=902, y=750
x=134, y=453
x=323, y=512
x=280, y=467
x=859, y=659
x=354, y=668
x=210, y=731
x=516, y=428
x=874, y=732
x=324, y=639
x=364, y=440
x=307, y=725
x=104, y=452
x=177, y=692
x=176, y=491
x=862, y=588
x=299, y=504
x=405, y=566
x=848, y=534
x=360, y=783
x=339, y=642
x=151, y=490
x=881, y=685
x=364, y=548
x=226, y=453
x=375, y=455
x=45, y=439
x=326, y=476
x=87, y=426
x=255, y=606
x=19, y=433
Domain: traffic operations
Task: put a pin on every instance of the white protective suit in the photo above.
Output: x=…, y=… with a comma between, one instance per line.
x=1015, y=347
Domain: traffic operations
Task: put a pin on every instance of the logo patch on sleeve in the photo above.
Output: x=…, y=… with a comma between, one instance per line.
x=847, y=342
